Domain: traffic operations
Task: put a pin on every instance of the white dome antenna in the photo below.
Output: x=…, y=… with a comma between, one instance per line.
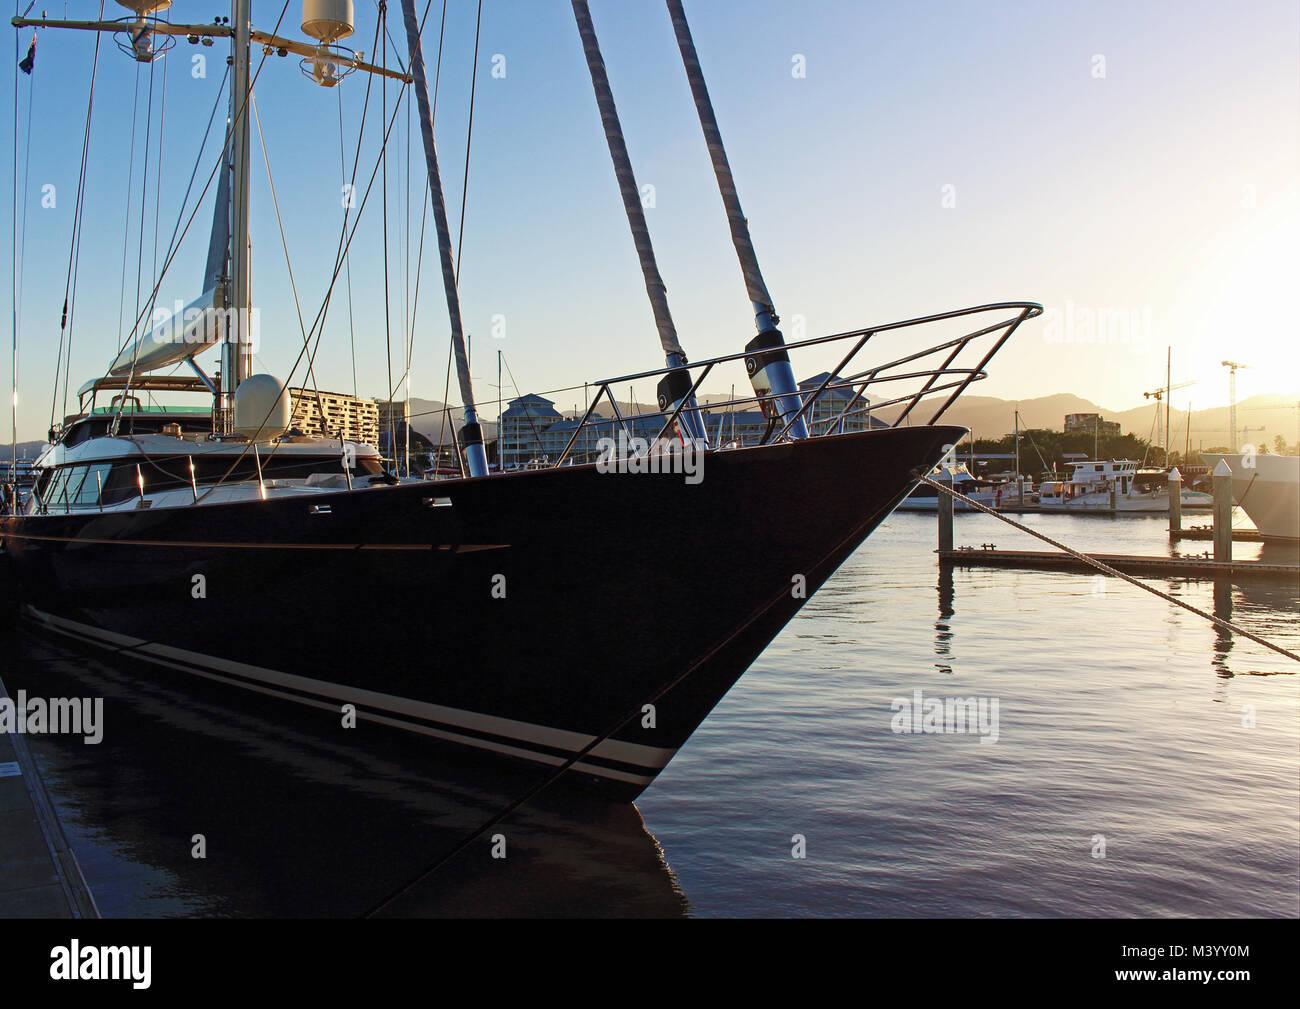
x=327, y=21
x=137, y=40
x=263, y=408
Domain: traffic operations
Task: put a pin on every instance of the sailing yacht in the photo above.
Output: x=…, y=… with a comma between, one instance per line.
x=598, y=613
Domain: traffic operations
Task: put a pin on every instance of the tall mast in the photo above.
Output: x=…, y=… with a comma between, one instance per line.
x=676, y=385
x=1169, y=358
x=768, y=363
x=471, y=435
x=236, y=354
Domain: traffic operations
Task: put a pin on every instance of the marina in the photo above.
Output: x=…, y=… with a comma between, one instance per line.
x=896, y=825
x=416, y=567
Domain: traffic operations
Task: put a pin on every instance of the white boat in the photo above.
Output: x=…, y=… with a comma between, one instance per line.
x=986, y=492
x=1116, y=485
x=1267, y=488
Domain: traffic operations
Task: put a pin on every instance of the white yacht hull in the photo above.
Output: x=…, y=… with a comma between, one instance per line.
x=1268, y=491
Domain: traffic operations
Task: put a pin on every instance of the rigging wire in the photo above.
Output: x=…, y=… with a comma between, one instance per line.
x=469, y=135
x=345, y=243
x=293, y=287
x=185, y=200
x=550, y=778
x=13, y=264
x=144, y=209
x=383, y=154
x=126, y=222
x=1107, y=569
x=234, y=118
x=74, y=253
x=157, y=207
x=352, y=329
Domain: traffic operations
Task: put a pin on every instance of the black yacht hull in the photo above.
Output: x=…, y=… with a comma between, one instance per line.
x=524, y=614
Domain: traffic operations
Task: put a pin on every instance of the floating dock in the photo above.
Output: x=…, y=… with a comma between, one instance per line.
x=1207, y=533
x=1179, y=567
x=39, y=875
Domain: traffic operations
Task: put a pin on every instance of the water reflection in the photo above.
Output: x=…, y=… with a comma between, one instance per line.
x=1222, y=635
x=299, y=821
x=943, y=629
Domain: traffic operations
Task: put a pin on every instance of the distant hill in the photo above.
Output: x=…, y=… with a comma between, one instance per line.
x=26, y=450
x=1259, y=418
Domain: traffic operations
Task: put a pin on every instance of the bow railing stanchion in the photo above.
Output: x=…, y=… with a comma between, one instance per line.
x=810, y=400
x=1031, y=311
x=942, y=378
x=576, y=431
x=688, y=398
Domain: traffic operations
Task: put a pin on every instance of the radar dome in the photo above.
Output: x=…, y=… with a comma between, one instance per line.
x=263, y=408
x=144, y=7
x=324, y=20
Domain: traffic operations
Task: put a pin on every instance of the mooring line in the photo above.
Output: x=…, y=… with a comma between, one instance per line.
x=1107, y=569
x=549, y=779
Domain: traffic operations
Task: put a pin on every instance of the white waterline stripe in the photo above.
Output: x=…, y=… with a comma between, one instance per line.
x=186, y=661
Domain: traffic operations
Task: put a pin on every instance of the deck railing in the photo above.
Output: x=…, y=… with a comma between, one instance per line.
x=907, y=380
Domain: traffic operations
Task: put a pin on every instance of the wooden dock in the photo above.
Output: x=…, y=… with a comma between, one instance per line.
x=39, y=875
x=1207, y=533
x=1177, y=567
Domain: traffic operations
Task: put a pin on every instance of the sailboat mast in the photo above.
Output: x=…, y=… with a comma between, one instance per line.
x=1169, y=388
x=676, y=385
x=236, y=353
x=471, y=435
x=768, y=362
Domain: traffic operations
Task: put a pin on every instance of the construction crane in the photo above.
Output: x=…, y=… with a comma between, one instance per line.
x=1232, y=367
x=1162, y=395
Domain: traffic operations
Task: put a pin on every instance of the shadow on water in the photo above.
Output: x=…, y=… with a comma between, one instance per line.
x=300, y=821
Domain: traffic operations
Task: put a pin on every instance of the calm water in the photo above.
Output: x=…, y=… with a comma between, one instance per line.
x=1119, y=715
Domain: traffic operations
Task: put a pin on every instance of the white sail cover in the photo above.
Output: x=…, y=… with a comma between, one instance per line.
x=196, y=327
x=191, y=331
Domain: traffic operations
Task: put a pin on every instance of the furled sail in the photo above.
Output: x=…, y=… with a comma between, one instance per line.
x=196, y=327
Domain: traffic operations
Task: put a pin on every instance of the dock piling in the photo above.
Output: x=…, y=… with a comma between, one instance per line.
x=944, y=504
x=1175, y=503
x=1222, y=512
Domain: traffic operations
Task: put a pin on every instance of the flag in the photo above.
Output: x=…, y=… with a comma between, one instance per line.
x=29, y=60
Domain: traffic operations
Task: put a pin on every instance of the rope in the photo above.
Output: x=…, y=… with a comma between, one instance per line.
x=1107, y=569
x=782, y=597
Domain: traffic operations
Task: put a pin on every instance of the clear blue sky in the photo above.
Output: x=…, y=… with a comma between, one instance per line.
x=1168, y=188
